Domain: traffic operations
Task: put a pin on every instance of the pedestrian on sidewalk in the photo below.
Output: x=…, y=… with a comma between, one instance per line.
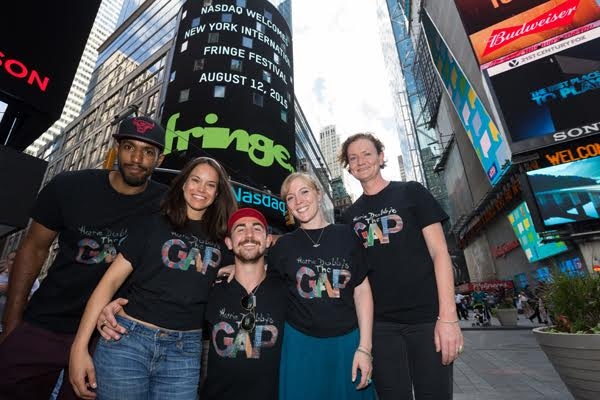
x=461, y=307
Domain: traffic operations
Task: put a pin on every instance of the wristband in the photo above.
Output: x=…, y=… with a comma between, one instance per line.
x=361, y=349
x=447, y=322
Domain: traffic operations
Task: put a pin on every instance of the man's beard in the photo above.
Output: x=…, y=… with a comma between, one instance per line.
x=250, y=259
x=133, y=181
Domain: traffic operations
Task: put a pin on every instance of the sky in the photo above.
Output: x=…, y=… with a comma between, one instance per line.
x=339, y=73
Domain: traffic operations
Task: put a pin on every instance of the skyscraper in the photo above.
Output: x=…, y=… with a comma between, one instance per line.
x=330, y=145
x=402, y=169
x=104, y=24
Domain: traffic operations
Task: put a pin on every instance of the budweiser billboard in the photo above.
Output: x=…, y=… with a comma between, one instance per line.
x=500, y=27
x=549, y=93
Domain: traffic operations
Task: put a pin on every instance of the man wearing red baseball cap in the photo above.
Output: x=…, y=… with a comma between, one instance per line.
x=245, y=318
x=89, y=211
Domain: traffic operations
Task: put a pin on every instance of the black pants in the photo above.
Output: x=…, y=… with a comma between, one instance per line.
x=462, y=312
x=536, y=313
x=31, y=359
x=404, y=359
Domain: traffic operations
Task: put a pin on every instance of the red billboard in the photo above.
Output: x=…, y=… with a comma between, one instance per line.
x=500, y=27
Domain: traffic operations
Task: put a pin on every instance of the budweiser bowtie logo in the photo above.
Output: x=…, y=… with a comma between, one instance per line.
x=559, y=16
x=142, y=126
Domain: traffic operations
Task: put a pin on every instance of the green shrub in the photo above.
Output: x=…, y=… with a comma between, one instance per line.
x=574, y=302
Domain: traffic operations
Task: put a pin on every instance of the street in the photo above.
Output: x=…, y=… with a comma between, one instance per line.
x=503, y=364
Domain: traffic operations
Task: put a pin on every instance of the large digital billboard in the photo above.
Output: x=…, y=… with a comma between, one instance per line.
x=530, y=241
x=230, y=92
x=567, y=193
x=499, y=27
x=550, y=95
x=488, y=142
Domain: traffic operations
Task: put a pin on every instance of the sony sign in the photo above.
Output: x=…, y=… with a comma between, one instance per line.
x=577, y=132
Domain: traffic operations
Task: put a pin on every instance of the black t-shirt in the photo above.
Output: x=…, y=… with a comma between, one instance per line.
x=390, y=224
x=91, y=219
x=241, y=365
x=320, y=280
x=172, y=272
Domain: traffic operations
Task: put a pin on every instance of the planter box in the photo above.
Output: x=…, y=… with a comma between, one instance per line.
x=576, y=358
x=507, y=316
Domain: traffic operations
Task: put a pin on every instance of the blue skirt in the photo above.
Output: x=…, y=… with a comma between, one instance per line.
x=319, y=368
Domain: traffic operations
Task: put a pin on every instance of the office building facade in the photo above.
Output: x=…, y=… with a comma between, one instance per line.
x=494, y=116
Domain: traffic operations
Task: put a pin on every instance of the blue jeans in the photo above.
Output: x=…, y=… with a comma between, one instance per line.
x=148, y=363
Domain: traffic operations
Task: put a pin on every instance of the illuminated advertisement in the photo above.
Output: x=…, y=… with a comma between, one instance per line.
x=530, y=241
x=570, y=151
x=567, y=193
x=500, y=27
x=271, y=206
x=230, y=91
x=40, y=48
x=489, y=143
x=550, y=96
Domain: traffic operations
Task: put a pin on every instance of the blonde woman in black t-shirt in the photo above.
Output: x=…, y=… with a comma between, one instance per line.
x=172, y=260
x=416, y=335
x=326, y=350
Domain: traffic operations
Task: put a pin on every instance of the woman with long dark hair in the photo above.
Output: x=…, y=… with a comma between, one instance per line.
x=171, y=259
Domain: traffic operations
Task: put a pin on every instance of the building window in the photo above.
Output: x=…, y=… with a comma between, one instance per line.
x=213, y=37
x=196, y=22
x=276, y=58
x=266, y=76
x=184, y=46
x=240, y=3
x=184, y=14
x=219, y=92
x=207, y=3
x=172, y=77
x=226, y=17
x=184, y=95
x=246, y=42
x=199, y=64
x=283, y=116
x=260, y=27
x=236, y=65
x=257, y=99
x=268, y=15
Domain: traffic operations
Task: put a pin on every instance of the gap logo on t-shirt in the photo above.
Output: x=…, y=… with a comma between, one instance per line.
x=377, y=226
x=318, y=277
x=229, y=340
x=99, y=246
x=188, y=250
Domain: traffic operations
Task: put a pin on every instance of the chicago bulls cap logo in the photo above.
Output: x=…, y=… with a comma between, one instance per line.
x=142, y=126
